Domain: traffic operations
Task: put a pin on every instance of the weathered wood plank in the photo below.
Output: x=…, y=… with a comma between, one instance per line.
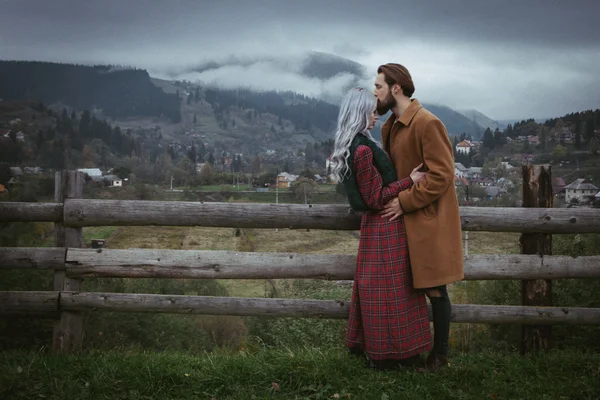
x=30, y=212
x=473, y=313
x=79, y=213
x=32, y=258
x=524, y=266
x=235, y=215
x=68, y=331
x=32, y=304
x=537, y=192
x=181, y=304
x=337, y=309
x=204, y=264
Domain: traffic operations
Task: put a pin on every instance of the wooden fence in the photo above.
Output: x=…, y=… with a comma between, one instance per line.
x=72, y=263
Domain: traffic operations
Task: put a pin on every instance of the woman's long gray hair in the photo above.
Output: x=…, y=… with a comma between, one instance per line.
x=355, y=111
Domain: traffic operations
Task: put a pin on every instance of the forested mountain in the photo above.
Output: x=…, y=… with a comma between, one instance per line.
x=60, y=140
x=118, y=92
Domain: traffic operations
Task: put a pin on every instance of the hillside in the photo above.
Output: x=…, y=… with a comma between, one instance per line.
x=246, y=121
x=241, y=120
x=482, y=120
x=255, y=121
x=58, y=139
x=117, y=92
x=455, y=122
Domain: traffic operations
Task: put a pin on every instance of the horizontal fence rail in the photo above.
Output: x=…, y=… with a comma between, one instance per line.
x=37, y=302
x=30, y=304
x=142, y=263
x=209, y=264
x=31, y=212
x=92, y=212
x=33, y=257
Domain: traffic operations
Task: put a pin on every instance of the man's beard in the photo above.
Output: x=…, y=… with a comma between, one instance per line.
x=386, y=105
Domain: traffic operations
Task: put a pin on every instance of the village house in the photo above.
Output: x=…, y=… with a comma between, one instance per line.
x=460, y=182
x=464, y=146
x=483, y=181
x=16, y=171
x=33, y=170
x=510, y=169
x=566, y=136
x=112, y=181
x=91, y=172
x=460, y=170
x=20, y=136
x=474, y=172
x=284, y=180
x=580, y=190
x=494, y=191
x=505, y=183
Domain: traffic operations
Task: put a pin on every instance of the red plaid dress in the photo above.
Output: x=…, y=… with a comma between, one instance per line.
x=388, y=317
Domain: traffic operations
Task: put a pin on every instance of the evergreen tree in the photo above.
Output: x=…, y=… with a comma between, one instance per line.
x=5, y=173
x=488, y=139
x=193, y=157
x=171, y=152
x=589, y=130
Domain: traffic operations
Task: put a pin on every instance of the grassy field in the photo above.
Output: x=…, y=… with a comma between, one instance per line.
x=243, y=362
x=257, y=240
x=265, y=240
x=293, y=374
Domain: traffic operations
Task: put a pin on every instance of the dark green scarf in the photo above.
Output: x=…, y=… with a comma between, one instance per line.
x=380, y=160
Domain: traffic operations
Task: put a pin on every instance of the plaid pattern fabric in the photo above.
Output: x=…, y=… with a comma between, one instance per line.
x=388, y=317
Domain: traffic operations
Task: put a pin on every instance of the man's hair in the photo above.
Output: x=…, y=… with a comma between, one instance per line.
x=397, y=73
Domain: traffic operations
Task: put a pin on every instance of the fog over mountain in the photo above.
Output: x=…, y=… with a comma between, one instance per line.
x=506, y=59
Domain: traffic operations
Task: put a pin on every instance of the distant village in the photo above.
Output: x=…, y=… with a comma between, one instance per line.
x=472, y=185
x=577, y=192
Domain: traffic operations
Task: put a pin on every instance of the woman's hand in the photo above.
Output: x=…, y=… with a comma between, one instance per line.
x=416, y=175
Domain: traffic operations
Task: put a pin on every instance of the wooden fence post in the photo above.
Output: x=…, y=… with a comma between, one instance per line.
x=537, y=192
x=68, y=329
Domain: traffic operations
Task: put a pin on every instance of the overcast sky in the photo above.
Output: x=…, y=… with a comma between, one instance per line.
x=507, y=59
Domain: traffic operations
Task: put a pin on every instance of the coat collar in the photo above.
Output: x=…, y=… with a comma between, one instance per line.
x=405, y=119
x=410, y=112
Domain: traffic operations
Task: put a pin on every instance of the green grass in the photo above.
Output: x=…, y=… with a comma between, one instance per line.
x=97, y=232
x=292, y=374
x=244, y=287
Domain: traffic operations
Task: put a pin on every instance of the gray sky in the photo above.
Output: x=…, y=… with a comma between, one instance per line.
x=507, y=59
